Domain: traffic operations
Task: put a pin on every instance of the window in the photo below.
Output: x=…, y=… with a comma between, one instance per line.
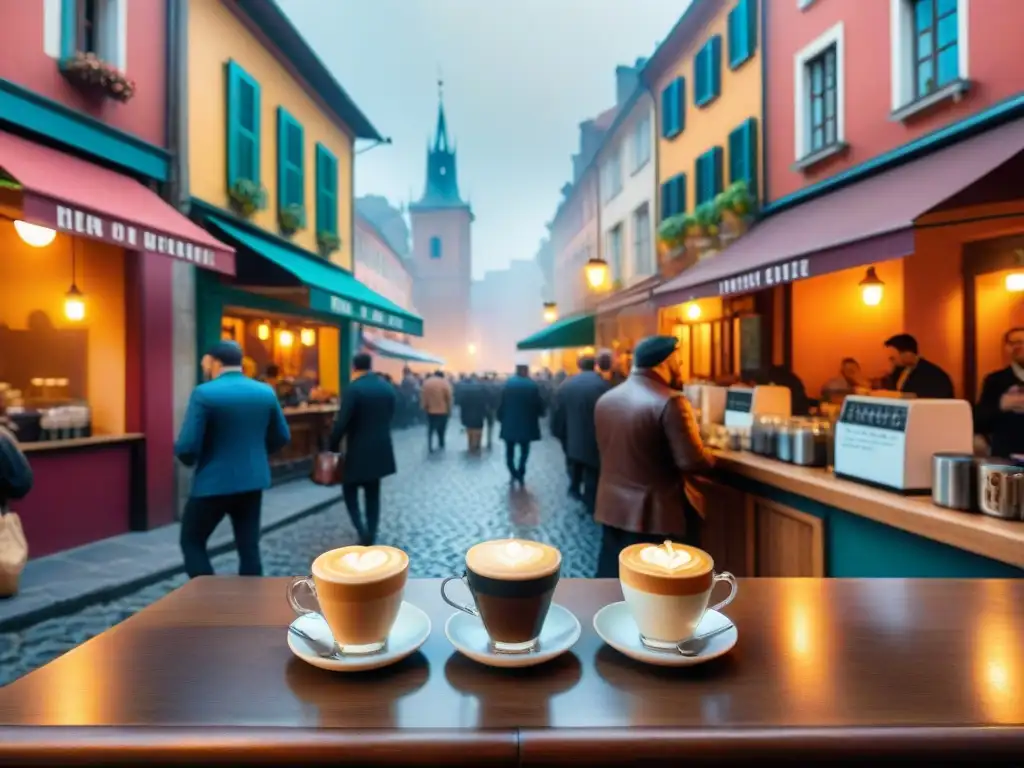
x=326, y=191
x=742, y=32
x=929, y=50
x=243, y=126
x=611, y=175
x=707, y=71
x=709, y=175
x=673, y=196
x=643, y=255
x=291, y=167
x=435, y=247
x=819, y=97
x=673, y=108
x=743, y=155
x=642, y=142
x=95, y=26
x=615, y=264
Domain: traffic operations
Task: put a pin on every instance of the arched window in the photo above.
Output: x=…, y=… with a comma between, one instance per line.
x=435, y=247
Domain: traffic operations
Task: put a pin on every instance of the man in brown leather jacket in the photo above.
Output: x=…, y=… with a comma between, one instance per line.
x=649, y=443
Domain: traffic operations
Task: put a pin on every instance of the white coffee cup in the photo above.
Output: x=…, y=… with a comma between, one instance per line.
x=667, y=589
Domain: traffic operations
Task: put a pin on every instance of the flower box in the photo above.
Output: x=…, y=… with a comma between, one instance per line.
x=95, y=76
x=247, y=197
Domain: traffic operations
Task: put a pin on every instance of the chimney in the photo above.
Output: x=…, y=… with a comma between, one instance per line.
x=626, y=81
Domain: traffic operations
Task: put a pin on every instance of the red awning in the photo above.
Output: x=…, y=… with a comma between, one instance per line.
x=72, y=195
x=866, y=222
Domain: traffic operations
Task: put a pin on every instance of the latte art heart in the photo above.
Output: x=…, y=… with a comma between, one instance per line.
x=355, y=564
x=513, y=559
x=664, y=556
x=364, y=561
x=517, y=553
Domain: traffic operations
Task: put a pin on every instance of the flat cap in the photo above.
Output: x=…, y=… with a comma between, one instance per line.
x=227, y=353
x=653, y=351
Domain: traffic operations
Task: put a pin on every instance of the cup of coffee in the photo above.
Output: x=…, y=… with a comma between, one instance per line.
x=512, y=581
x=667, y=588
x=358, y=591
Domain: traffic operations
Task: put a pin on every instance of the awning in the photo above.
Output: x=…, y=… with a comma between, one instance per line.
x=69, y=194
x=331, y=288
x=864, y=223
x=569, y=332
x=399, y=351
x=630, y=297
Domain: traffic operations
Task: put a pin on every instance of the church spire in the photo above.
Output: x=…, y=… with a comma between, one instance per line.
x=442, y=187
x=441, y=142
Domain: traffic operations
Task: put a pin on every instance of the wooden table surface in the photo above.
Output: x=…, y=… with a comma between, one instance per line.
x=824, y=669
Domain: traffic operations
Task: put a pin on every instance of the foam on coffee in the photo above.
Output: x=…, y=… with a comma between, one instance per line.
x=359, y=565
x=666, y=568
x=513, y=559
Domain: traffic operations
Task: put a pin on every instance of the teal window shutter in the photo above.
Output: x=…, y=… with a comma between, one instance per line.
x=673, y=196
x=243, y=126
x=742, y=32
x=326, y=190
x=291, y=171
x=679, y=181
x=717, y=171
x=673, y=105
x=68, y=28
x=743, y=154
x=666, y=200
x=709, y=175
x=708, y=72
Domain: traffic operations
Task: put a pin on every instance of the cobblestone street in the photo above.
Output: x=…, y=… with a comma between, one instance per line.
x=435, y=508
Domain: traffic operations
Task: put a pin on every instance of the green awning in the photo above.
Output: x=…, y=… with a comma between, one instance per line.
x=331, y=289
x=572, y=331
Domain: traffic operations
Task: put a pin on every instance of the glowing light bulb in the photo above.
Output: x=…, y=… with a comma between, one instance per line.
x=263, y=332
x=871, y=288
x=1015, y=282
x=286, y=339
x=550, y=312
x=33, y=234
x=693, y=311
x=597, y=272
x=74, y=305
x=308, y=337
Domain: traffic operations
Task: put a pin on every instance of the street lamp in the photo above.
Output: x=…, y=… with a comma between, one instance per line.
x=597, y=271
x=472, y=349
x=550, y=311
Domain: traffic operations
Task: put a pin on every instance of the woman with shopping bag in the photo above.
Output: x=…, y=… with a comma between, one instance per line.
x=15, y=483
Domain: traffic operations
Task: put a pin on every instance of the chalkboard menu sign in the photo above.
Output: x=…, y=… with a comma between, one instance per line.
x=877, y=415
x=739, y=402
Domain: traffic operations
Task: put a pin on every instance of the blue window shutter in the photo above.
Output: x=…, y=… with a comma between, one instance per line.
x=736, y=155
x=666, y=200
x=681, y=103
x=680, y=193
x=243, y=126
x=699, y=173
x=715, y=64
x=68, y=28
x=742, y=32
x=326, y=190
x=667, y=112
x=672, y=108
x=734, y=35
x=291, y=175
x=716, y=171
x=699, y=77
x=751, y=150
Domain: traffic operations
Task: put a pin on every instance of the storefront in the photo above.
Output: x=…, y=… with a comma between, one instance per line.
x=85, y=340
x=296, y=317
x=933, y=248
x=563, y=341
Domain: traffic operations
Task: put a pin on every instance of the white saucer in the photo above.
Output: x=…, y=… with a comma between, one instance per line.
x=560, y=632
x=411, y=630
x=615, y=625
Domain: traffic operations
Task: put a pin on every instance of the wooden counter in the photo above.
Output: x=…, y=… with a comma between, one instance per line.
x=79, y=442
x=996, y=540
x=827, y=671
x=310, y=427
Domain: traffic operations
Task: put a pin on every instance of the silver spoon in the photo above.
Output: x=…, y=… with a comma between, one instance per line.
x=323, y=649
x=692, y=646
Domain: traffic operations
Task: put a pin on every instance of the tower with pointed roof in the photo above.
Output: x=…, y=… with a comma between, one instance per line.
x=442, y=252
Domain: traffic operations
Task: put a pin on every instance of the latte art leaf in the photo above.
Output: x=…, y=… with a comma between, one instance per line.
x=665, y=556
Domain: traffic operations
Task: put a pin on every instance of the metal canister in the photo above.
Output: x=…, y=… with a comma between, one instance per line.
x=954, y=481
x=810, y=444
x=784, y=442
x=1001, y=491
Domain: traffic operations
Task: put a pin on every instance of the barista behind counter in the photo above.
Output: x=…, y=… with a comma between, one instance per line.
x=999, y=414
x=912, y=374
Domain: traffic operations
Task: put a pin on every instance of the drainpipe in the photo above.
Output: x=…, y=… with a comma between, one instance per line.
x=176, y=125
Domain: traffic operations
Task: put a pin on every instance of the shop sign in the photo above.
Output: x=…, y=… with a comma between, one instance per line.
x=132, y=237
x=766, y=277
x=340, y=306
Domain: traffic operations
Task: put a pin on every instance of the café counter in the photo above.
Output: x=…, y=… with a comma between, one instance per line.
x=310, y=426
x=825, y=671
x=769, y=518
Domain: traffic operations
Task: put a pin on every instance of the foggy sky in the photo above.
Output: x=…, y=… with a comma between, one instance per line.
x=520, y=75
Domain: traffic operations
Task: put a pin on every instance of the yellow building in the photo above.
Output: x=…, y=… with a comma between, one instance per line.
x=270, y=148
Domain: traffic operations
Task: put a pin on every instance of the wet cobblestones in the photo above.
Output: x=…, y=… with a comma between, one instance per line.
x=435, y=508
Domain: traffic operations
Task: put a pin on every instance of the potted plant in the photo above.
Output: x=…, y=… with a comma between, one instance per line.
x=98, y=77
x=292, y=218
x=247, y=196
x=327, y=242
x=672, y=234
x=702, y=237
x=736, y=207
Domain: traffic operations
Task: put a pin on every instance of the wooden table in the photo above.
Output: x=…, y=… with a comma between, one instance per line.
x=824, y=670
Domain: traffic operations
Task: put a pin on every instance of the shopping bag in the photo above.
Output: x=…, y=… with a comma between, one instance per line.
x=13, y=553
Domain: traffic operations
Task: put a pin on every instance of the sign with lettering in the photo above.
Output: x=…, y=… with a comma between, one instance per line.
x=363, y=313
x=134, y=237
x=765, y=277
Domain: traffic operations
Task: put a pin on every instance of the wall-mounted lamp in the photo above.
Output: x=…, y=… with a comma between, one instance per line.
x=74, y=301
x=693, y=311
x=286, y=339
x=308, y=337
x=597, y=271
x=33, y=234
x=262, y=331
x=871, y=288
x=550, y=311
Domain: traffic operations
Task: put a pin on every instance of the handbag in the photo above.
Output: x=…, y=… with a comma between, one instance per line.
x=328, y=468
x=13, y=552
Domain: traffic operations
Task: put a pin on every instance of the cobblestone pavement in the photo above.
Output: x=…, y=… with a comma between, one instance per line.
x=435, y=508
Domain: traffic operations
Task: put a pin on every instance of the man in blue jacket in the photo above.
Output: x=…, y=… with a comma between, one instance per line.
x=231, y=427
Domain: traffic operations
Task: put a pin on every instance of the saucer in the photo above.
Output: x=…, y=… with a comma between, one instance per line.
x=560, y=632
x=411, y=630
x=614, y=623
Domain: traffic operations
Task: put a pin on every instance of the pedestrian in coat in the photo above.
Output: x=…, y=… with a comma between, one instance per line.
x=519, y=411
x=231, y=427
x=473, y=401
x=364, y=423
x=437, y=397
x=572, y=422
x=650, y=446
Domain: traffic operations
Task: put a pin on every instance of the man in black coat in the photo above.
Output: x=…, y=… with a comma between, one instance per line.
x=999, y=414
x=572, y=422
x=519, y=411
x=364, y=422
x=912, y=374
x=472, y=399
